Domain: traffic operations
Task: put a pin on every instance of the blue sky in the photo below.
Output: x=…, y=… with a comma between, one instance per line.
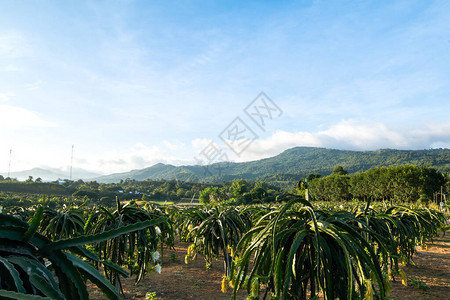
x=134, y=83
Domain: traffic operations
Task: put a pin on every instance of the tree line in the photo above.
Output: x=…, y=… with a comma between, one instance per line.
x=397, y=183
x=29, y=192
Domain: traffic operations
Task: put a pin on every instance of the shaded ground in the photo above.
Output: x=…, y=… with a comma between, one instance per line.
x=178, y=280
x=193, y=281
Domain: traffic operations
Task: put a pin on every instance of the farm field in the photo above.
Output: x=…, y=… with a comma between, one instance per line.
x=193, y=281
x=292, y=249
x=241, y=150
x=178, y=280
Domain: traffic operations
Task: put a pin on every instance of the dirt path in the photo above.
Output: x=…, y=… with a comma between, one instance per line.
x=178, y=280
x=433, y=268
x=193, y=281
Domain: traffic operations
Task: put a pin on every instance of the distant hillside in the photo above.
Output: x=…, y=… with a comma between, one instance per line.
x=51, y=174
x=291, y=165
x=158, y=171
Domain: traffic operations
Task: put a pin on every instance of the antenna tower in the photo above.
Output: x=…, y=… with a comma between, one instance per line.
x=71, y=163
x=9, y=164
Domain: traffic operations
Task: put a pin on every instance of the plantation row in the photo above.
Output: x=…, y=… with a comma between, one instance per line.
x=285, y=251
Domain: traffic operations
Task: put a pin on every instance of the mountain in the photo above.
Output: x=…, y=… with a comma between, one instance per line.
x=51, y=174
x=291, y=165
x=287, y=167
x=158, y=171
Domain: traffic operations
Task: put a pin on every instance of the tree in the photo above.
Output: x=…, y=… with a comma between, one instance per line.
x=144, y=197
x=239, y=187
x=359, y=186
x=259, y=191
x=313, y=176
x=339, y=187
x=339, y=170
x=204, y=196
x=210, y=194
x=432, y=180
x=181, y=193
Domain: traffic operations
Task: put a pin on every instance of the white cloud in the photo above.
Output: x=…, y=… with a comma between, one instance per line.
x=137, y=157
x=347, y=134
x=436, y=145
x=17, y=117
x=200, y=144
x=11, y=68
x=4, y=97
x=436, y=135
x=34, y=85
x=173, y=145
x=13, y=45
x=352, y=135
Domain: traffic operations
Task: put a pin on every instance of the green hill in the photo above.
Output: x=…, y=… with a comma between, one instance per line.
x=291, y=165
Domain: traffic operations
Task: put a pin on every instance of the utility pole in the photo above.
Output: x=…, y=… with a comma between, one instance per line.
x=71, y=163
x=9, y=165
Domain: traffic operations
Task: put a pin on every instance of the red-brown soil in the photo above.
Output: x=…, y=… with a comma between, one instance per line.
x=178, y=280
x=432, y=266
x=193, y=281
